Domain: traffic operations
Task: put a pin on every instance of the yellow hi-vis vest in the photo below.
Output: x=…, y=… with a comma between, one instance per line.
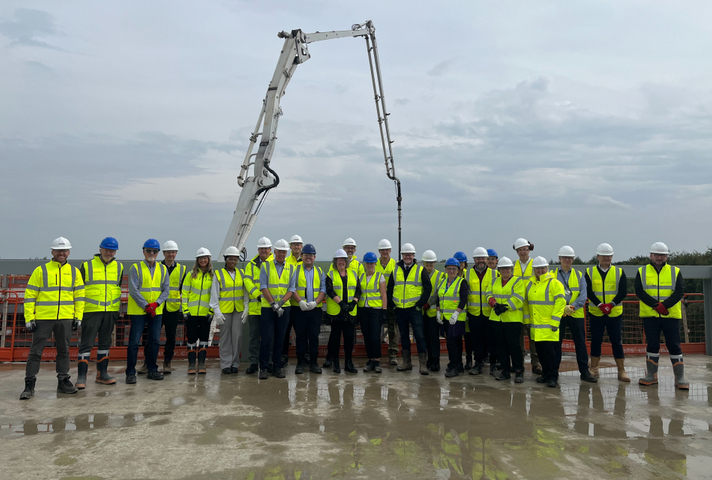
x=477, y=298
x=251, y=279
x=659, y=286
x=371, y=289
x=333, y=308
x=54, y=292
x=449, y=297
x=278, y=284
x=528, y=273
x=435, y=278
x=150, y=288
x=293, y=261
x=302, y=284
x=407, y=291
x=574, y=284
x=605, y=292
x=511, y=294
x=102, y=285
x=174, y=283
x=231, y=292
x=196, y=294
x=356, y=266
x=390, y=266
x=546, y=307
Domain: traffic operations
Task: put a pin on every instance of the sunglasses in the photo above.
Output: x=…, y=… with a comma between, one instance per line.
x=151, y=250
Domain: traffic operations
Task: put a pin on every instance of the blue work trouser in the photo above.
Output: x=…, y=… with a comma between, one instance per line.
x=272, y=331
x=151, y=350
x=407, y=317
x=670, y=327
x=577, y=327
x=307, y=326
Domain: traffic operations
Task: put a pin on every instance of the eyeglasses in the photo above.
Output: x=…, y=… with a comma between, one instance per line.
x=152, y=251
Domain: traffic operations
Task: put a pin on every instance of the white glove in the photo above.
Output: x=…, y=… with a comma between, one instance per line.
x=439, y=317
x=245, y=314
x=311, y=306
x=275, y=306
x=219, y=318
x=280, y=311
x=453, y=317
x=213, y=328
x=303, y=305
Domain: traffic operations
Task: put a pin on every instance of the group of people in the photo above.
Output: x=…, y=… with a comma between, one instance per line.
x=490, y=306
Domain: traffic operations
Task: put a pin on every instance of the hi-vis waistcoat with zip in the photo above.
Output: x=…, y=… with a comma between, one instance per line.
x=449, y=298
x=278, y=284
x=574, y=285
x=333, y=308
x=301, y=284
x=477, y=298
x=371, y=289
x=231, y=291
x=605, y=291
x=407, y=291
x=54, y=292
x=150, y=286
x=102, y=285
x=659, y=286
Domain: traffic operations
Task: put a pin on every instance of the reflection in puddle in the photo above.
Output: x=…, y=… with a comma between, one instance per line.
x=78, y=423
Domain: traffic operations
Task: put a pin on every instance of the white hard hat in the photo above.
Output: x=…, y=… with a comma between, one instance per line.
x=504, y=262
x=281, y=244
x=264, y=242
x=170, y=246
x=566, y=251
x=349, y=242
x=480, y=252
x=295, y=239
x=540, y=262
x=604, y=249
x=522, y=242
x=61, y=243
x=407, y=248
x=659, y=248
x=384, y=244
x=202, y=252
x=231, y=252
x=341, y=253
x=429, y=256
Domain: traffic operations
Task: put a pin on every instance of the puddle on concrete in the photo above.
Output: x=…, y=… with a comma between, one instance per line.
x=79, y=423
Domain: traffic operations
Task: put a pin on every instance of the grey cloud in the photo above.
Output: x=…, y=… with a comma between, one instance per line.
x=27, y=27
x=401, y=101
x=605, y=201
x=441, y=67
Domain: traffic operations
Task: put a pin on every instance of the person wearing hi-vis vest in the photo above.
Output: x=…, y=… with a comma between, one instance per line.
x=574, y=287
x=607, y=287
x=409, y=289
x=172, y=314
x=506, y=299
x=196, y=310
x=148, y=292
x=431, y=327
x=372, y=307
x=523, y=268
x=385, y=266
x=342, y=295
x=294, y=258
x=479, y=280
x=660, y=289
x=102, y=281
x=251, y=278
x=54, y=303
x=546, y=302
x=277, y=282
x=228, y=302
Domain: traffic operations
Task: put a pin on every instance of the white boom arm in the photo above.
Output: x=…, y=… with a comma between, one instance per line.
x=256, y=185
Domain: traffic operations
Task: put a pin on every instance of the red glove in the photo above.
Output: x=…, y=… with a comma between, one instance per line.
x=660, y=308
x=606, y=308
x=426, y=307
x=151, y=309
x=492, y=302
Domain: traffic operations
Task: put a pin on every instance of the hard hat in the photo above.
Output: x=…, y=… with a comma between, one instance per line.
x=170, y=246
x=309, y=248
x=61, y=243
x=480, y=252
x=429, y=256
x=349, y=242
x=152, y=243
x=540, y=262
x=109, y=243
x=384, y=244
x=281, y=244
x=566, y=251
x=203, y=252
x=370, y=257
x=230, y=252
x=452, y=262
x=491, y=252
x=264, y=242
x=407, y=248
x=659, y=248
x=295, y=239
x=604, y=249
x=341, y=253
x=504, y=262
x=522, y=242
x=460, y=256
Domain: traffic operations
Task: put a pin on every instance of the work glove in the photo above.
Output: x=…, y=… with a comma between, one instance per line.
x=75, y=324
x=569, y=310
x=352, y=305
x=311, y=306
x=439, y=317
x=606, y=308
x=426, y=307
x=498, y=309
x=492, y=302
x=280, y=312
x=31, y=326
x=245, y=314
x=303, y=306
x=453, y=317
x=275, y=306
x=660, y=308
x=219, y=319
x=151, y=309
x=344, y=306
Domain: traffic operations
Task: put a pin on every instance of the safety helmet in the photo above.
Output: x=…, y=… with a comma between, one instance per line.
x=202, y=252
x=152, y=243
x=460, y=256
x=491, y=252
x=109, y=243
x=504, y=262
x=341, y=253
x=407, y=248
x=370, y=257
x=480, y=252
x=281, y=244
x=231, y=252
x=61, y=243
x=566, y=251
x=170, y=246
x=349, y=242
x=659, y=248
x=295, y=239
x=604, y=249
x=540, y=262
x=452, y=262
x=264, y=242
x=522, y=242
x=429, y=256
x=309, y=248
x=384, y=244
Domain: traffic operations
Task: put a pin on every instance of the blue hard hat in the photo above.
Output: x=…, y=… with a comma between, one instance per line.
x=453, y=262
x=370, y=257
x=460, y=257
x=309, y=248
x=492, y=252
x=109, y=243
x=152, y=243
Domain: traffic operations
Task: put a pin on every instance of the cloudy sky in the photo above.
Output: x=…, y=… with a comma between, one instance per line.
x=564, y=122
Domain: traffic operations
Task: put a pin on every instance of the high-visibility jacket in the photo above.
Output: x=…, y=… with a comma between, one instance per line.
x=435, y=278
x=292, y=260
x=546, y=301
x=175, y=280
x=407, y=291
x=150, y=286
x=301, y=283
x=333, y=308
x=196, y=294
x=605, y=291
x=574, y=285
x=371, y=289
x=477, y=298
x=659, y=286
x=528, y=273
x=231, y=291
x=449, y=299
x=512, y=294
x=102, y=285
x=278, y=284
x=388, y=269
x=251, y=280
x=54, y=292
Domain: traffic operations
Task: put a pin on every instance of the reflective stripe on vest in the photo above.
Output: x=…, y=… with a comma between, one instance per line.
x=149, y=286
x=371, y=291
x=449, y=297
x=435, y=279
x=333, y=308
x=407, y=291
x=503, y=294
x=196, y=294
x=231, y=291
x=476, y=299
x=574, y=286
x=103, y=285
x=58, y=295
x=660, y=286
x=277, y=284
x=542, y=300
x=605, y=290
x=301, y=284
x=175, y=280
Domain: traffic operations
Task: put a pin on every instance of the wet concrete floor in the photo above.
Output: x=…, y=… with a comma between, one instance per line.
x=391, y=426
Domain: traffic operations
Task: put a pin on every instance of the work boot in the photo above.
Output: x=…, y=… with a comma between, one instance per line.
x=594, y=366
x=192, y=354
x=167, y=368
x=518, y=377
x=369, y=367
x=377, y=366
x=29, y=390
x=501, y=375
x=253, y=368
x=263, y=375
x=130, y=379
x=336, y=367
x=202, y=353
x=678, y=368
x=587, y=377
x=102, y=375
x=155, y=375
x=314, y=367
x=227, y=371
x=436, y=365
x=277, y=372
x=392, y=360
x=234, y=369
x=622, y=376
x=476, y=369
x=406, y=364
x=82, y=369
x=422, y=360
x=451, y=372
x=651, y=367
x=349, y=366
x=143, y=369
x=65, y=386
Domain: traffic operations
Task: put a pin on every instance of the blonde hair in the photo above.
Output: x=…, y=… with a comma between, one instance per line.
x=196, y=268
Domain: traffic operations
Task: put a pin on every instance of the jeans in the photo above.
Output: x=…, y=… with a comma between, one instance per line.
x=62, y=334
x=101, y=323
x=407, y=317
x=151, y=350
x=307, y=326
x=370, y=320
x=577, y=327
x=170, y=323
x=431, y=329
x=670, y=327
x=272, y=329
x=231, y=340
x=506, y=335
x=614, y=326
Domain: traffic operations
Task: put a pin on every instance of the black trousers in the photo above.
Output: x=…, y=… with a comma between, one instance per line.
x=506, y=335
x=482, y=339
x=614, y=327
x=171, y=321
x=62, y=334
x=577, y=327
x=101, y=323
x=290, y=325
x=370, y=321
x=307, y=326
x=198, y=329
x=670, y=327
x=341, y=327
x=454, y=348
x=431, y=328
x=550, y=358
